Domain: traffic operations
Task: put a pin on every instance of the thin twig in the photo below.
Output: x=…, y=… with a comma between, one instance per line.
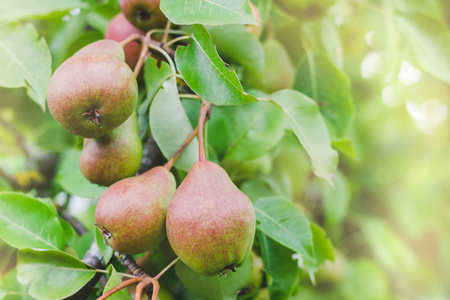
x=166, y=268
x=131, y=38
x=142, y=57
x=190, y=96
x=166, y=32
x=177, y=154
x=124, y=284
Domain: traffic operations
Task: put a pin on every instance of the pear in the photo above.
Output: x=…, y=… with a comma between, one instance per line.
x=144, y=14
x=131, y=213
x=91, y=94
x=255, y=29
x=103, y=47
x=119, y=29
x=210, y=222
x=279, y=71
x=114, y=156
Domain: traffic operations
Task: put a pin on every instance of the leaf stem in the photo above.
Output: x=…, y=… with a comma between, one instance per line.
x=121, y=274
x=166, y=268
x=165, y=54
x=171, y=42
x=124, y=284
x=190, y=96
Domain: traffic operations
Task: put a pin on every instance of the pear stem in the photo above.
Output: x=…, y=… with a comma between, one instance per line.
x=166, y=268
x=131, y=38
x=120, y=286
x=180, y=150
x=145, y=283
x=204, y=109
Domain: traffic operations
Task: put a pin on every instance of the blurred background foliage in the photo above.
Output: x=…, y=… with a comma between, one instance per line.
x=388, y=216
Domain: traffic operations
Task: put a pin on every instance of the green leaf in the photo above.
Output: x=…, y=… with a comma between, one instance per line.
x=282, y=221
x=26, y=222
x=208, y=12
x=52, y=274
x=20, y=9
x=280, y=266
x=323, y=82
x=430, y=40
x=247, y=131
x=208, y=77
x=323, y=250
x=114, y=280
x=69, y=232
x=25, y=60
x=235, y=44
x=170, y=125
x=154, y=77
x=72, y=180
x=106, y=250
x=215, y=287
x=336, y=201
x=309, y=127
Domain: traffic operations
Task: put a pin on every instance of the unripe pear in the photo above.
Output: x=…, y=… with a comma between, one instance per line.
x=131, y=213
x=118, y=30
x=144, y=14
x=114, y=156
x=90, y=95
x=256, y=30
x=279, y=72
x=210, y=222
x=103, y=47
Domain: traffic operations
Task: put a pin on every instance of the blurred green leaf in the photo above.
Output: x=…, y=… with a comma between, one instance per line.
x=66, y=273
x=26, y=222
x=20, y=9
x=212, y=12
x=72, y=180
x=208, y=77
x=323, y=250
x=309, y=127
x=215, y=287
x=170, y=125
x=282, y=221
x=114, y=280
x=100, y=16
x=256, y=188
x=25, y=60
x=247, y=131
x=430, y=40
x=364, y=280
x=336, y=201
x=280, y=265
x=320, y=80
x=235, y=44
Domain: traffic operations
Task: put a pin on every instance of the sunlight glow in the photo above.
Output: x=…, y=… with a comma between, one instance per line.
x=428, y=115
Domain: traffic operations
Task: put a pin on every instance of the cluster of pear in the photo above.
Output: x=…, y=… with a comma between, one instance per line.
x=209, y=222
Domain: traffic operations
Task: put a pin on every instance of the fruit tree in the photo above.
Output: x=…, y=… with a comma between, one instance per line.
x=219, y=150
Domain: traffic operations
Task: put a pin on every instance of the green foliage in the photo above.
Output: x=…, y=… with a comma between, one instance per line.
x=347, y=168
x=217, y=12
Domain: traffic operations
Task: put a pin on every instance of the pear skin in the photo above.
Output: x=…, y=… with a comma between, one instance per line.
x=131, y=213
x=114, y=156
x=103, y=47
x=210, y=222
x=90, y=95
